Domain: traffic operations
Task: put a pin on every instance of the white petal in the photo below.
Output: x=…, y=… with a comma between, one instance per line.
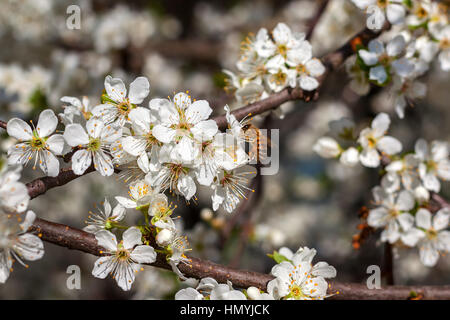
x=381, y=124
x=205, y=130
x=143, y=254
x=431, y=182
x=186, y=186
x=412, y=236
x=103, y=163
x=428, y=254
x=182, y=100
x=30, y=247
x=188, y=294
x=405, y=201
x=389, y=145
x=131, y=237
x=141, y=119
x=378, y=217
x=75, y=135
x=421, y=149
x=441, y=219
x=369, y=58
x=378, y=74
x=103, y=266
x=376, y=46
x=47, y=123
x=406, y=221
x=300, y=54
x=165, y=110
x=124, y=276
x=423, y=218
x=19, y=129
x=439, y=151
x=395, y=13
x=139, y=90
x=127, y=203
x=198, y=111
x=164, y=134
x=81, y=160
x=5, y=266
x=403, y=67
x=56, y=144
x=395, y=46
x=308, y=83
x=50, y=164
x=370, y=158
x=391, y=233
x=94, y=127
x=115, y=88
x=106, y=240
x=323, y=269
x=282, y=33
x=315, y=67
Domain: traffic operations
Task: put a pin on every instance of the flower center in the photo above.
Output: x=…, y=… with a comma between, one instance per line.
x=282, y=49
x=384, y=59
x=445, y=43
x=94, y=144
x=421, y=12
x=296, y=292
x=122, y=254
x=37, y=143
x=280, y=77
x=301, y=69
x=382, y=3
x=372, y=142
x=431, y=234
x=124, y=107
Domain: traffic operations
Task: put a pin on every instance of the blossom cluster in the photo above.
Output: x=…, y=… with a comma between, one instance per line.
x=295, y=279
x=270, y=63
x=16, y=243
x=172, y=146
x=407, y=183
x=422, y=34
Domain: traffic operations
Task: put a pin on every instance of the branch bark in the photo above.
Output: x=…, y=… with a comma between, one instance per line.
x=76, y=239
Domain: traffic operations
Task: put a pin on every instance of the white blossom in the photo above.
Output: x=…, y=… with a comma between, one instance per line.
x=94, y=145
x=37, y=142
x=122, y=259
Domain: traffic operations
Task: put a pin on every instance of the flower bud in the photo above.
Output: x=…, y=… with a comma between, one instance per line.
x=163, y=238
x=421, y=194
x=350, y=157
x=327, y=147
x=253, y=293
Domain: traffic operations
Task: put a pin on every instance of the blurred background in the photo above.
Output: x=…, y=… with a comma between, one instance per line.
x=184, y=45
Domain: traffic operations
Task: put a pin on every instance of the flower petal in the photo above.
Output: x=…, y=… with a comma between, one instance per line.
x=47, y=123
x=19, y=129
x=139, y=90
x=132, y=237
x=81, y=160
x=143, y=254
x=423, y=218
x=106, y=240
x=75, y=135
x=115, y=88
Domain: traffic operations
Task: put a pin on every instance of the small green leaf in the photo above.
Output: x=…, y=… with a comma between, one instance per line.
x=277, y=257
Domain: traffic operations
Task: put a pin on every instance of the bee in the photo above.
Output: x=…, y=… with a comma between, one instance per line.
x=258, y=142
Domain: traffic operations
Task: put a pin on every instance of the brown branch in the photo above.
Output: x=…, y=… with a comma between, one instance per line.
x=41, y=185
x=316, y=18
x=76, y=239
x=2, y=124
